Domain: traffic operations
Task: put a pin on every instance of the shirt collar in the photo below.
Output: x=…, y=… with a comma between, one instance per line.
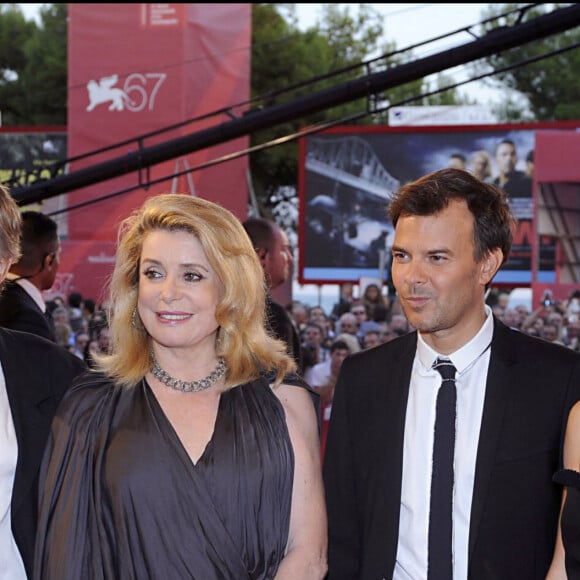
x=30, y=289
x=464, y=356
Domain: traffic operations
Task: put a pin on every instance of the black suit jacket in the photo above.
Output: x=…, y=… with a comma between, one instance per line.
x=19, y=311
x=37, y=373
x=283, y=328
x=531, y=386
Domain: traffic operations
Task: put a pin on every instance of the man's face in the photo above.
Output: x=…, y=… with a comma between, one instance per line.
x=360, y=312
x=372, y=339
x=336, y=358
x=349, y=325
x=278, y=259
x=440, y=285
x=312, y=335
x=506, y=158
x=317, y=314
x=550, y=332
x=81, y=340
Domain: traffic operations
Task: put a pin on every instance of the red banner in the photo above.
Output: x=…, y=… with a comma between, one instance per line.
x=136, y=69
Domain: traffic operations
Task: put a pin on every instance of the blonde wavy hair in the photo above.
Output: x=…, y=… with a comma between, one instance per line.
x=10, y=227
x=243, y=342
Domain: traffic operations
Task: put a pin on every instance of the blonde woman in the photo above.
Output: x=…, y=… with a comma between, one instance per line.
x=193, y=452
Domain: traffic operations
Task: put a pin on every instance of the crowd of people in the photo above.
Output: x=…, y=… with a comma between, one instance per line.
x=81, y=325
x=192, y=427
x=554, y=319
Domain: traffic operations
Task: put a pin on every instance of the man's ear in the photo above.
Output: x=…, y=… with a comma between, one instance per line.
x=48, y=260
x=490, y=265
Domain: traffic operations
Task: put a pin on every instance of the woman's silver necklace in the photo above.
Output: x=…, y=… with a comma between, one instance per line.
x=189, y=386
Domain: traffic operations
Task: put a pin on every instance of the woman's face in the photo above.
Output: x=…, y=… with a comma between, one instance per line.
x=178, y=291
x=372, y=293
x=479, y=165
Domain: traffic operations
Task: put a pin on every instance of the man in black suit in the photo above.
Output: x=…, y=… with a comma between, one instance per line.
x=22, y=306
x=513, y=392
x=34, y=374
x=273, y=249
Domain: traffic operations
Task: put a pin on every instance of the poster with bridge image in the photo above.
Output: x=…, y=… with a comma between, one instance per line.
x=348, y=176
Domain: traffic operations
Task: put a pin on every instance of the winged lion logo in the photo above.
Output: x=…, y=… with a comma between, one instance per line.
x=104, y=91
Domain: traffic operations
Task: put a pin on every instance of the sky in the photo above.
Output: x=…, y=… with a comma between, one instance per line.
x=404, y=23
x=409, y=24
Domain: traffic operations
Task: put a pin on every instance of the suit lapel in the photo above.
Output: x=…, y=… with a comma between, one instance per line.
x=496, y=393
x=25, y=396
x=393, y=400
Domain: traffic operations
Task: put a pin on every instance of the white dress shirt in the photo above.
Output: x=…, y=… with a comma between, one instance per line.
x=319, y=376
x=11, y=565
x=471, y=362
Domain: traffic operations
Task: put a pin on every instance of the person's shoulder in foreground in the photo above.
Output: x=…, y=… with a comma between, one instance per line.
x=37, y=374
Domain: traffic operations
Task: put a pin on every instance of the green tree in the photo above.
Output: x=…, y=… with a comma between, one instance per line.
x=15, y=33
x=328, y=54
x=549, y=87
x=45, y=72
x=33, y=66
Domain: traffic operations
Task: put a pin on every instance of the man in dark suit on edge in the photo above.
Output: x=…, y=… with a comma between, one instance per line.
x=512, y=392
x=34, y=375
x=271, y=245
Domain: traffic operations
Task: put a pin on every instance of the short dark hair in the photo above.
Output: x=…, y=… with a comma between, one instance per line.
x=260, y=231
x=430, y=194
x=313, y=324
x=75, y=300
x=339, y=345
x=39, y=237
x=505, y=142
x=89, y=305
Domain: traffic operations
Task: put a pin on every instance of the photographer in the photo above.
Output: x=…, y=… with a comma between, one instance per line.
x=549, y=313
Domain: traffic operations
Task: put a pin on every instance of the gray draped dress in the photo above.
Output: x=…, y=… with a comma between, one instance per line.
x=121, y=499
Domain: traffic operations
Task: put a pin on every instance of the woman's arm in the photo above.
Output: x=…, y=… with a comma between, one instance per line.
x=557, y=569
x=307, y=543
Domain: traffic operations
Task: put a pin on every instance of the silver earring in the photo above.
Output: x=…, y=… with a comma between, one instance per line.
x=134, y=318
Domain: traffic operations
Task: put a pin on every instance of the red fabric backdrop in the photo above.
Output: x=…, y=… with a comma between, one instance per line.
x=136, y=69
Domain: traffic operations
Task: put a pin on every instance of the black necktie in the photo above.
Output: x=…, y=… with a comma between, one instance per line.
x=440, y=563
